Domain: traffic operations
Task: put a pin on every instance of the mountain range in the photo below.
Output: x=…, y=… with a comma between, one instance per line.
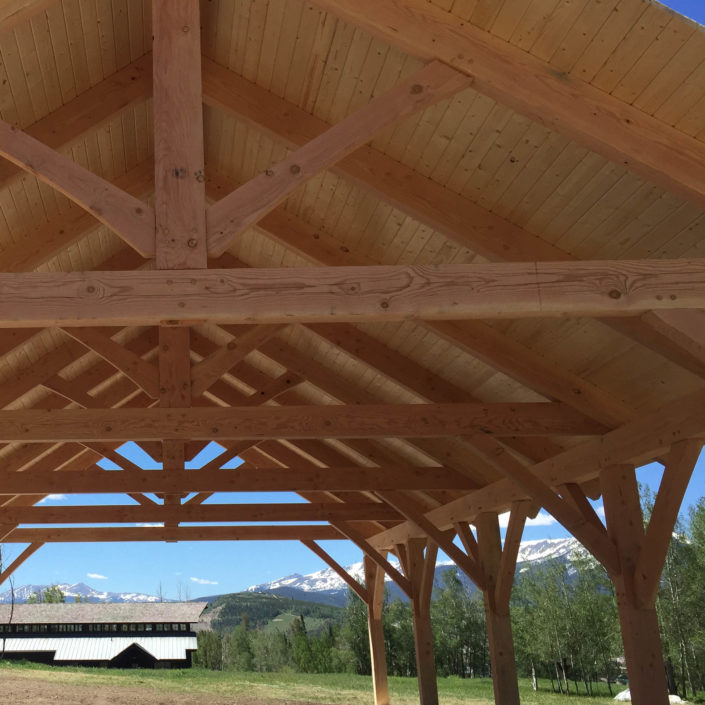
x=324, y=586
x=327, y=587
x=86, y=592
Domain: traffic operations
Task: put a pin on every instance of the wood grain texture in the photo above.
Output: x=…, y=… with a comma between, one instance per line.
x=515, y=78
x=679, y=466
x=351, y=294
x=89, y=110
x=208, y=371
x=130, y=218
x=183, y=533
x=179, y=202
x=330, y=421
x=268, y=513
x=295, y=479
x=241, y=209
x=144, y=374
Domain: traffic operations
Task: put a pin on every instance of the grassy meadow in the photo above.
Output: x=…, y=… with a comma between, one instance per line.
x=321, y=688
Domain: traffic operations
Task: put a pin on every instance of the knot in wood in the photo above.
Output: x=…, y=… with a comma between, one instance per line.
x=192, y=242
x=615, y=294
x=294, y=168
x=416, y=88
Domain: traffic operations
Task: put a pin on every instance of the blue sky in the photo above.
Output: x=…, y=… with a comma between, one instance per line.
x=197, y=569
x=207, y=568
x=695, y=9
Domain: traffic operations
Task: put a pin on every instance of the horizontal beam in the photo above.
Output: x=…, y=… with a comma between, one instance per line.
x=331, y=511
x=181, y=533
x=274, y=480
x=290, y=422
x=351, y=294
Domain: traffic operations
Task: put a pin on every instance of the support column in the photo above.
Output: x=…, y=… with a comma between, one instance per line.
x=496, y=598
x=419, y=563
x=637, y=618
x=374, y=582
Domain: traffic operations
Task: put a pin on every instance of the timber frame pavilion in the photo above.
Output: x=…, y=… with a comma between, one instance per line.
x=420, y=261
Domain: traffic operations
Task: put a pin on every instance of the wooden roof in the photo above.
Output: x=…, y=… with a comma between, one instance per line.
x=531, y=173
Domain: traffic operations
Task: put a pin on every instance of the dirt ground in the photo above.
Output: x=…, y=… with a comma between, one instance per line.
x=31, y=689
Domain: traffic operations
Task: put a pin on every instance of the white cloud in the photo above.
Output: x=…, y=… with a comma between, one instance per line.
x=203, y=581
x=151, y=526
x=96, y=576
x=600, y=511
x=52, y=498
x=542, y=519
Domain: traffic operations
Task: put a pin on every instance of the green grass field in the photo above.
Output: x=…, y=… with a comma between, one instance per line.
x=324, y=688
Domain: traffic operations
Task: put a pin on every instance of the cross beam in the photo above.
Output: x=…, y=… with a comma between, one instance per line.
x=109, y=514
x=323, y=421
x=183, y=533
x=274, y=480
x=351, y=294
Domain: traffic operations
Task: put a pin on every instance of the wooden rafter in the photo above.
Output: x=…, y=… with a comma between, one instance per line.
x=244, y=207
x=127, y=216
x=144, y=374
x=88, y=111
x=30, y=550
x=212, y=368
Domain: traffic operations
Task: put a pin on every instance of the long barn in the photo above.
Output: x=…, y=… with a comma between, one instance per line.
x=149, y=635
x=420, y=261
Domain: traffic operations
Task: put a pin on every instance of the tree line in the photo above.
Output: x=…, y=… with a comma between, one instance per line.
x=564, y=618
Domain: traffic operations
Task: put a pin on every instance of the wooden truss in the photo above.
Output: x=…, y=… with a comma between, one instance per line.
x=173, y=342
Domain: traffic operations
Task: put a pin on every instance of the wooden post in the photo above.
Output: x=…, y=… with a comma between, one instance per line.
x=374, y=581
x=499, y=628
x=419, y=563
x=638, y=621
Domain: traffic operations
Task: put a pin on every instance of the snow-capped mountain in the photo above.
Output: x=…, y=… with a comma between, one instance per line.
x=23, y=593
x=328, y=587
